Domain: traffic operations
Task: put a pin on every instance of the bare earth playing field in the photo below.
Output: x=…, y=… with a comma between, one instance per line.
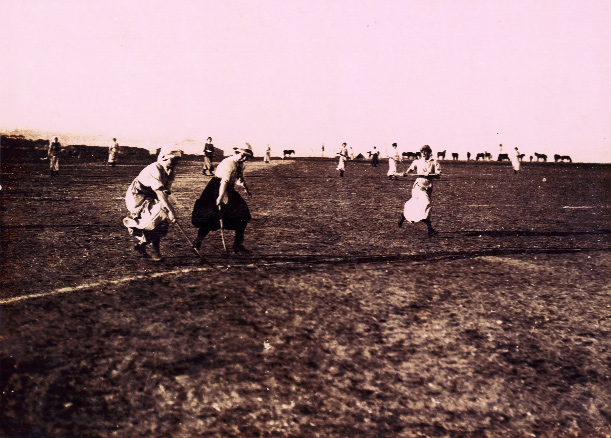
x=339, y=324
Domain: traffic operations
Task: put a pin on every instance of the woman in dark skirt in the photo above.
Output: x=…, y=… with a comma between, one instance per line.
x=221, y=198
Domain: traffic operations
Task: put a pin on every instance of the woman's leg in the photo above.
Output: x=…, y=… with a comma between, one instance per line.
x=143, y=240
x=154, y=237
x=156, y=242
x=201, y=235
x=239, y=239
x=429, y=226
x=401, y=220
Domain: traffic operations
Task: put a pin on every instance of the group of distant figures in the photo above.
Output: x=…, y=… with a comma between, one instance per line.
x=54, y=149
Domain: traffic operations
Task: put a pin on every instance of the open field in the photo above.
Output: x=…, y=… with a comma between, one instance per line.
x=339, y=324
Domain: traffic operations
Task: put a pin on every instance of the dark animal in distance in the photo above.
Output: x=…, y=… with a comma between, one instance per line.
x=520, y=157
x=562, y=158
x=287, y=153
x=441, y=155
x=409, y=155
x=73, y=150
x=468, y=156
x=503, y=157
x=541, y=157
x=483, y=156
x=454, y=156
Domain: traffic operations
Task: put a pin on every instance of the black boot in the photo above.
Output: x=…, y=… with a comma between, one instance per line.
x=156, y=252
x=140, y=248
x=237, y=242
x=429, y=228
x=240, y=248
x=401, y=220
x=201, y=235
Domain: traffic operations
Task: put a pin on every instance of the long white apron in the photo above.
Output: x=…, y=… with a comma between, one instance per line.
x=418, y=207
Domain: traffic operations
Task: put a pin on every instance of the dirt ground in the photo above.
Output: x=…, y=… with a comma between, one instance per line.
x=338, y=324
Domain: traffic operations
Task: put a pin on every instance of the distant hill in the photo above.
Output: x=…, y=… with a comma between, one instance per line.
x=190, y=147
x=22, y=149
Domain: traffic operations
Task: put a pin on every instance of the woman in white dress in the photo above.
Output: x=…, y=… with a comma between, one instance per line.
x=515, y=160
x=112, y=153
x=268, y=154
x=393, y=159
x=418, y=207
x=150, y=211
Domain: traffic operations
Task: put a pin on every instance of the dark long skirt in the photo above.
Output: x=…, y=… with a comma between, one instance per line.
x=206, y=213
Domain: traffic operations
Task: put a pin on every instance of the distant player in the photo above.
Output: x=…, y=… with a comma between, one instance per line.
x=53, y=153
x=375, y=157
x=268, y=154
x=393, y=160
x=208, y=157
x=112, y=153
x=343, y=157
x=514, y=156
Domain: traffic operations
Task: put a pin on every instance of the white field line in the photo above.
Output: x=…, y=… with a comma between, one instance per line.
x=512, y=262
x=490, y=205
x=521, y=205
x=85, y=286
x=65, y=290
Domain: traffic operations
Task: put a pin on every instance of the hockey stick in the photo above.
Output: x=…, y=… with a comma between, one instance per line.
x=222, y=228
x=191, y=243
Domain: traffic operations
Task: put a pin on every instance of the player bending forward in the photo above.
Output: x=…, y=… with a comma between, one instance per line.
x=150, y=211
x=220, y=201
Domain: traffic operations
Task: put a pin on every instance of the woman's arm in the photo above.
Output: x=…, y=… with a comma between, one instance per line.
x=437, y=169
x=411, y=168
x=222, y=192
x=162, y=195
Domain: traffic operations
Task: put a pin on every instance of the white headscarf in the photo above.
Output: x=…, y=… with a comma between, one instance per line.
x=168, y=152
x=245, y=150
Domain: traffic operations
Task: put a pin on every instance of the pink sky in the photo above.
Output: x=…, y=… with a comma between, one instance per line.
x=459, y=75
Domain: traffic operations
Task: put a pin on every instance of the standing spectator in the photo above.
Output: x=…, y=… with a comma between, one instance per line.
x=53, y=155
x=268, y=154
x=343, y=157
x=393, y=159
x=375, y=157
x=112, y=152
x=515, y=160
x=208, y=156
x=351, y=153
x=418, y=208
x=147, y=201
x=221, y=200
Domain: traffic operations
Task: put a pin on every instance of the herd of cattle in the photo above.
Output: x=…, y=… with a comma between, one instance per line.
x=488, y=156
